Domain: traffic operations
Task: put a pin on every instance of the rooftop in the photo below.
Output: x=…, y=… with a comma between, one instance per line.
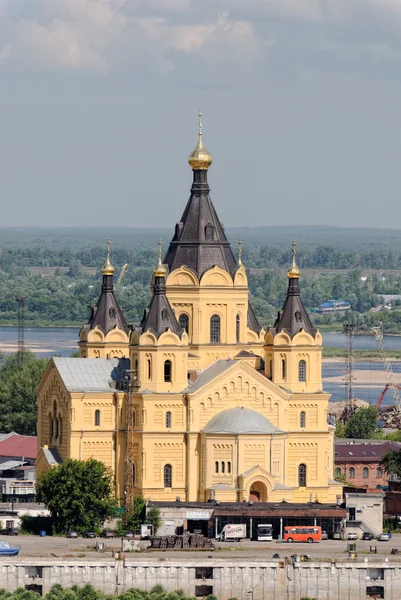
x=240, y=420
x=24, y=446
x=90, y=374
x=363, y=451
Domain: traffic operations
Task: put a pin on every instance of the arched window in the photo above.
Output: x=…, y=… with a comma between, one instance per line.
x=57, y=429
x=238, y=327
x=379, y=472
x=167, y=370
x=271, y=368
x=61, y=428
x=351, y=473
x=302, y=370
x=134, y=418
x=298, y=316
x=97, y=418
x=184, y=322
x=365, y=473
x=302, y=419
x=51, y=422
x=168, y=419
x=216, y=467
x=337, y=472
x=302, y=475
x=136, y=367
x=112, y=312
x=229, y=467
x=209, y=232
x=215, y=329
x=168, y=476
x=164, y=314
x=283, y=369
x=149, y=368
x=133, y=473
x=223, y=467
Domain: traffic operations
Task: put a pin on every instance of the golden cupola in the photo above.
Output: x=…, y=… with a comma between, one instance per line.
x=108, y=268
x=200, y=159
x=293, y=272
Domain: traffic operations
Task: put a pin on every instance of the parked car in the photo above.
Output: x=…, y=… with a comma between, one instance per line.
x=89, y=534
x=7, y=550
x=384, y=537
x=72, y=534
x=129, y=534
x=352, y=536
x=367, y=536
x=9, y=531
x=325, y=535
x=107, y=533
x=337, y=535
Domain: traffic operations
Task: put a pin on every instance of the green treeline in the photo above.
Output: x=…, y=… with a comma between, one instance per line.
x=64, y=295
x=89, y=593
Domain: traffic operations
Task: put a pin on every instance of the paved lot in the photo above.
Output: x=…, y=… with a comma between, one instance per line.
x=58, y=547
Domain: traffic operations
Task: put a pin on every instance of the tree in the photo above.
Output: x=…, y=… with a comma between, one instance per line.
x=78, y=494
x=391, y=463
x=362, y=424
x=19, y=377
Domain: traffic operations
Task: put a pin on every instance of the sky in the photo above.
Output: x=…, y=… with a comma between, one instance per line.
x=301, y=104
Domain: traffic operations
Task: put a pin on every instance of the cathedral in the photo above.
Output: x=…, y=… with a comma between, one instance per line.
x=221, y=408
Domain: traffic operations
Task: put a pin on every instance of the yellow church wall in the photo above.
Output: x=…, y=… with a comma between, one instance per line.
x=95, y=344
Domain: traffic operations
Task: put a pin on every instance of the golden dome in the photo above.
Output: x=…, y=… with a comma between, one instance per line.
x=293, y=272
x=200, y=159
x=108, y=268
x=160, y=270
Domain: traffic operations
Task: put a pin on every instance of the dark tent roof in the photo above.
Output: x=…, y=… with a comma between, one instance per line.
x=199, y=241
x=107, y=313
x=159, y=316
x=293, y=316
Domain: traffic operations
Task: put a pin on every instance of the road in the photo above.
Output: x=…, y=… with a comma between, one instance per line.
x=59, y=547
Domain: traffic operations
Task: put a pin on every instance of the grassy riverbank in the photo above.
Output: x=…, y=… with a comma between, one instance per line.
x=360, y=354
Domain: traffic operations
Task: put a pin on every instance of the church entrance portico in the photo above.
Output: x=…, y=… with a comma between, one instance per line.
x=258, y=492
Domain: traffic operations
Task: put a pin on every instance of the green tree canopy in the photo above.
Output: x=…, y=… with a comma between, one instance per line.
x=19, y=377
x=391, y=462
x=363, y=424
x=78, y=494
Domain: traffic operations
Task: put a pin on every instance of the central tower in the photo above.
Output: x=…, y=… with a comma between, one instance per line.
x=206, y=286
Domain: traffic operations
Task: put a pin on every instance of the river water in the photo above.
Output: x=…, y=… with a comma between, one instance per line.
x=62, y=341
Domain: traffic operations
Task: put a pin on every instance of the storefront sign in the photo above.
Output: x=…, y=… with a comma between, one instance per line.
x=197, y=515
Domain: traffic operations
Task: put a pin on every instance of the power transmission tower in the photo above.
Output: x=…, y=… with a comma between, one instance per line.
x=21, y=300
x=131, y=386
x=349, y=409
x=378, y=332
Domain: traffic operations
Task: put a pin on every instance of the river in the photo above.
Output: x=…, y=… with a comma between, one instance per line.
x=62, y=341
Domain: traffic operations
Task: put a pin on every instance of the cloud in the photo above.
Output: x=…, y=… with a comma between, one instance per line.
x=5, y=53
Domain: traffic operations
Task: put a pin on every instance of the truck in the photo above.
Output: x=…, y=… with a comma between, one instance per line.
x=235, y=532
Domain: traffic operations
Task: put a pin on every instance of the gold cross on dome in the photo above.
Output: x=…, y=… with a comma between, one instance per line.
x=294, y=249
x=108, y=247
x=159, y=250
x=240, y=251
x=200, y=121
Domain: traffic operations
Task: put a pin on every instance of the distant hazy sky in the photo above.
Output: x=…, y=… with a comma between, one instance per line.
x=301, y=102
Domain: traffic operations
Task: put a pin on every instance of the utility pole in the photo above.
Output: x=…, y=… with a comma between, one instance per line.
x=349, y=330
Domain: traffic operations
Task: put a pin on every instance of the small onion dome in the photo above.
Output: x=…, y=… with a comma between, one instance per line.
x=200, y=159
x=108, y=268
x=293, y=272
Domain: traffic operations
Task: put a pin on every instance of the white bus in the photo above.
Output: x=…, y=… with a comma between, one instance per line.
x=265, y=533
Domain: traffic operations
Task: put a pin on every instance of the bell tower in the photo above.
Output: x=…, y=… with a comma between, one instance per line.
x=105, y=335
x=159, y=346
x=293, y=346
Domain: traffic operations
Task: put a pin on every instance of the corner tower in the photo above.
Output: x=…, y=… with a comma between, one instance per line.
x=206, y=286
x=293, y=345
x=159, y=346
x=105, y=335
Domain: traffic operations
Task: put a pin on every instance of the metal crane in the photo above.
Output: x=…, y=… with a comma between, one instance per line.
x=386, y=387
x=378, y=332
x=122, y=273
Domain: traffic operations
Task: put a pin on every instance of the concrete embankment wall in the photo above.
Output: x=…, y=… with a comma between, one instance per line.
x=245, y=580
